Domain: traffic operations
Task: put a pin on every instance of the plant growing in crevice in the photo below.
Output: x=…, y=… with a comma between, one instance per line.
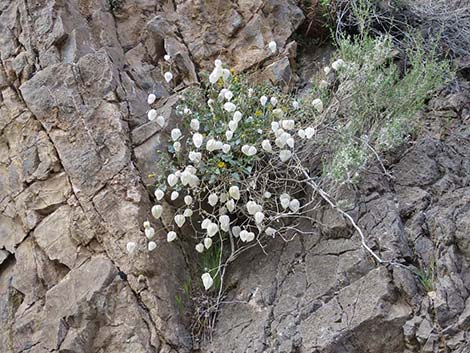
x=427, y=276
x=247, y=164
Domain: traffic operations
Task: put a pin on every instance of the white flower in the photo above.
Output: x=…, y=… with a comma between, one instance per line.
x=318, y=105
x=267, y=195
x=338, y=64
x=230, y=107
x=270, y=231
x=263, y=100
x=309, y=132
x=199, y=248
x=237, y=116
x=157, y=211
x=250, y=92
x=186, y=177
x=151, y=98
x=266, y=144
x=288, y=124
x=232, y=125
x=226, y=148
x=149, y=232
x=159, y=194
x=175, y=134
x=160, y=120
x=273, y=101
x=212, y=229
x=249, y=150
x=282, y=139
x=223, y=197
x=205, y=223
x=236, y=231
x=224, y=223
x=151, y=246
x=174, y=195
x=294, y=205
x=326, y=70
x=188, y=200
x=130, y=247
x=195, y=157
x=179, y=220
x=188, y=212
x=171, y=236
x=168, y=76
x=228, y=95
x=152, y=114
x=167, y=57
x=323, y=84
x=187, y=111
x=259, y=217
x=177, y=146
x=234, y=192
x=190, y=169
x=207, y=243
x=194, y=181
x=218, y=62
x=278, y=113
x=230, y=204
x=272, y=46
x=222, y=94
x=210, y=101
x=146, y=224
x=252, y=207
x=290, y=142
x=197, y=140
x=301, y=133
x=285, y=200
x=207, y=280
x=172, y=179
x=216, y=73
x=194, y=124
x=274, y=126
x=226, y=74
x=285, y=155
x=295, y=105
x=213, y=199
x=211, y=145
x=228, y=135
x=246, y=236
x=279, y=132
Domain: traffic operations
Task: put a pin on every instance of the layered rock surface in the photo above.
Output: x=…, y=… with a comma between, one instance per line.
x=75, y=154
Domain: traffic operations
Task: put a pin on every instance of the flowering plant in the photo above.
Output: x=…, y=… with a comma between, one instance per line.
x=246, y=164
x=234, y=166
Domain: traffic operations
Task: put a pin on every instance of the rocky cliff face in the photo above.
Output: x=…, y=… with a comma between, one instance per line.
x=75, y=154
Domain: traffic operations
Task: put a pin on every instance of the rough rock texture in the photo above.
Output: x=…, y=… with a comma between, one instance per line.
x=75, y=154
x=323, y=294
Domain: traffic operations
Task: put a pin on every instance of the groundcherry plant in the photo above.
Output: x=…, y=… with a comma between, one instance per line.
x=234, y=169
x=246, y=164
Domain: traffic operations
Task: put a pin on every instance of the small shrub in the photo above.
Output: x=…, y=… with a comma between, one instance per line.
x=247, y=163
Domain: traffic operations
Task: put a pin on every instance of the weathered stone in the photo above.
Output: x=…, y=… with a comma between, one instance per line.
x=76, y=149
x=11, y=233
x=53, y=236
x=42, y=198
